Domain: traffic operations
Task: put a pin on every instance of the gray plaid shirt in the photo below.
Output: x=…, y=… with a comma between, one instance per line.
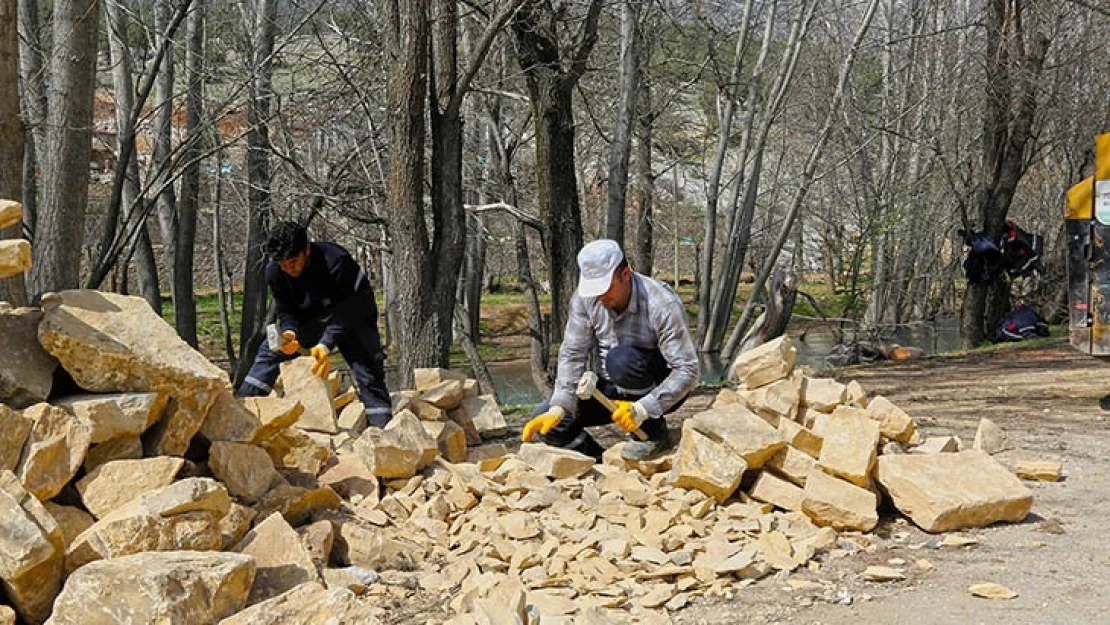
x=654, y=318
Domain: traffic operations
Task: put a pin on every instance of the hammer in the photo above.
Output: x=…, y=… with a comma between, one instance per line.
x=275, y=340
x=587, y=387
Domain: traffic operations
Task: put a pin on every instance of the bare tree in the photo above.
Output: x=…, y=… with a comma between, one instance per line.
x=12, y=289
x=620, y=149
x=184, y=297
x=32, y=90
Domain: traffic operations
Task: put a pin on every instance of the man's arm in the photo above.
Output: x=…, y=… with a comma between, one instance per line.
x=578, y=340
x=679, y=352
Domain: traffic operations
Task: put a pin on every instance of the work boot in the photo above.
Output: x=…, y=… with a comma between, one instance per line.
x=658, y=442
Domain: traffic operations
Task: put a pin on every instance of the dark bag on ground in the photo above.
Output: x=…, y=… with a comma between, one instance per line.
x=1019, y=324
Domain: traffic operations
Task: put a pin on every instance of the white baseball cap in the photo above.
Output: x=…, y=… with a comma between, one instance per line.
x=596, y=263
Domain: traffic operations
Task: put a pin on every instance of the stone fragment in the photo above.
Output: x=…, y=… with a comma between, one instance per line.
x=1041, y=470
x=393, y=453
x=841, y=505
x=849, y=445
x=765, y=363
x=113, y=484
x=990, y=438
x=486, y=416
x=471, y=388
x=739, y=429
x=274, y=414
x=776, y=491
x=426, y=378
x=614, y=457
x=7, y=615
x=800, y=437
x=854, y=395
x=26, y=371
x=246, y=470
x=184, y=417
x=450, y=438
x=229, y=420
x=235, y=524
x=297, y=503
x=31, y=551
x=54, y=450
x=293, y=450
x=555, y=462
x=487, y=457
x=406, y=425
x=11, y=213
x=894, y=423
x=703, y=464
x=15, y=257
x=882, y=574
x=822, y=394
x=990, y=590
x=350, y=477
x=352, y=419
x=116, y=415
x=318, y=538
x=156, y=587
x=944, y=492
x=792, y=465
x=72, y=520
x=344, y=399
x=462, y=418
x=446, y=395
x=313, y=393
x=938, y=445
x=282, y=559
x=308, y=604
x=124, y=448
x=774, y=401
x=182, y=516
x=14, y=429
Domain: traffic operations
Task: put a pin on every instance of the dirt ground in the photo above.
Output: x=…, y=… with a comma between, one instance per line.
x=1058, y=560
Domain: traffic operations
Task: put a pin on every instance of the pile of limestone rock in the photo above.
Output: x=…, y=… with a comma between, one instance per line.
x=155, y=495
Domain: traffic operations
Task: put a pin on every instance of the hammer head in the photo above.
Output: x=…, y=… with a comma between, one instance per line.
x=586, y=385
x=274, y=339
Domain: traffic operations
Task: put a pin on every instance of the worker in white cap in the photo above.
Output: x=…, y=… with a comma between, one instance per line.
x=635, y=327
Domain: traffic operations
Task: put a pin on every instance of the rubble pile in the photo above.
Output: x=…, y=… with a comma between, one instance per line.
x=155, y=495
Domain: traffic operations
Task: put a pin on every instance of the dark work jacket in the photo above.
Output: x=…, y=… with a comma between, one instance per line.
x=332, y=290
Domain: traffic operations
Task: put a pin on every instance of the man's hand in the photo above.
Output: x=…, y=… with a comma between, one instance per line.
x=322, y=367
x=291, y=345
x=543, y=423
x=629, y=415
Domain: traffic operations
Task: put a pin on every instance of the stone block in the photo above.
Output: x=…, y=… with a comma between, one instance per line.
x=462, y=419
x=352, y=419
x=555, y=462
x=486, y=416
x=774, y=401
x=765, y=363
x=113, y=484
x=426, y=378
x=776, y=491
x=703, y=464
x=487, y=457
x=274, y=414
x=15, y=257
x=297, y=503
x=350, y=477
x=14, y=429
x=31, y=551
x=833, y=502
x=741, y=430
x=446, y=395
x=293, y=450
x=849, y=447
x=800, y=437
x=27, y=370
x=450, y=438
x=54, y=450
x=938, y=445
x=854, y=395
x=282, y=559
x=792, y=464
x=990, y=438
x=822, y=394
x=124, y=448
x=1040, y=470
x=309, y=604
x=314, y=394
x=410, y=429
x=116, y=415
x=11, y=213
x=71, y=519
x=246, y=470
x=235, y=524
x=894, y=423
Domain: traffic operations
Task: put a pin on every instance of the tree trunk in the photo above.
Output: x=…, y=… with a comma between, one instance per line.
x=166, y=200
x=258, y=180
x=621, y=148
x=12, y=290
x=184, y=301
x=643, y=256
x=32, y=88
x=225, y=294
x=59, y=231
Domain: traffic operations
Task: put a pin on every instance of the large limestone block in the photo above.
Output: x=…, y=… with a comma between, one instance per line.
x=54, y=451
x=410, y=428
x=11, y=213
x=282, y=559
x=800, y=437
x=841, y=505
x=31, y=551
x=174, y=587
x=26, y=370
x=308, y=604
x=70, y=519
x=15, y=257
x=118, y=414
x=792, y=464
x=764, y=364
x=776, y=491
x=990, y=438
x=944, y=492
x=111, y=343
x=246, y=470
x=393, y=453
x=446, y=395
x=450, y=437
x=14, y=429
x=822, y=394
x=555, y=462
x=123, y=448
x=741, y=430
x=184, y=417
x=182, y=516
x=774, y=401
x=486, y=415
x=849, y=447
x=314, y=394
x=115, y=483
x=894, y=423
x=702, y=463
x=426, y=378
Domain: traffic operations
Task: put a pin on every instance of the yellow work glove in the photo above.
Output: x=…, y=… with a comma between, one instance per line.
x=629, y=415
x=542, y=423
x=322, y=367
x=291, y=345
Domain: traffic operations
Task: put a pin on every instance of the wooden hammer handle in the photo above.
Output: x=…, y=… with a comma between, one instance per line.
x=608, y=403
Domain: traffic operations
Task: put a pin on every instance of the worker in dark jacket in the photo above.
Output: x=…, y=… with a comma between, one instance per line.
x=324, y=299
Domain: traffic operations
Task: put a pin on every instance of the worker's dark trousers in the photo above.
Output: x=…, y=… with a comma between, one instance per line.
x=361, y=348
x=633, y=373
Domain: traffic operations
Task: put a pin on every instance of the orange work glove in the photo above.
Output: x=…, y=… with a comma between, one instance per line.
x=542, y=423
x=291, y=345
x=629, y=415
x=323, y=361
